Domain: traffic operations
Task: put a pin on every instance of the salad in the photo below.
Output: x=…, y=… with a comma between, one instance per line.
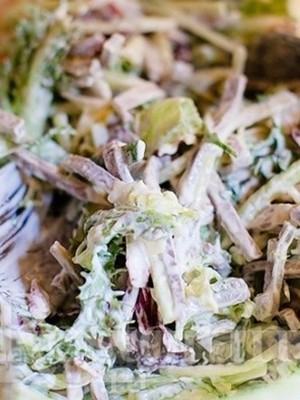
x=149, y=203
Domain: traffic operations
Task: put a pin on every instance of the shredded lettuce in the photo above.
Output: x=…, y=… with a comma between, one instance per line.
x=23, y=391
x=258, y=7
x=279, y=184
x=33, y=68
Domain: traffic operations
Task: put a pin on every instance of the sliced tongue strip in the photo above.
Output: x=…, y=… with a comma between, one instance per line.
x=48, y=172
x=115, y=162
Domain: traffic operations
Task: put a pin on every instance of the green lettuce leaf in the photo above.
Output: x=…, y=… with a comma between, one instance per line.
x=33, y=68
x=258, y=7
x=166, y=123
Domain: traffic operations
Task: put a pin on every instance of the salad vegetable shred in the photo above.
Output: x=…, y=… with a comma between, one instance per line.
x=149, y=202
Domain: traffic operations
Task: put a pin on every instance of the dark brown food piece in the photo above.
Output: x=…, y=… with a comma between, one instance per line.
x=273, y=58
